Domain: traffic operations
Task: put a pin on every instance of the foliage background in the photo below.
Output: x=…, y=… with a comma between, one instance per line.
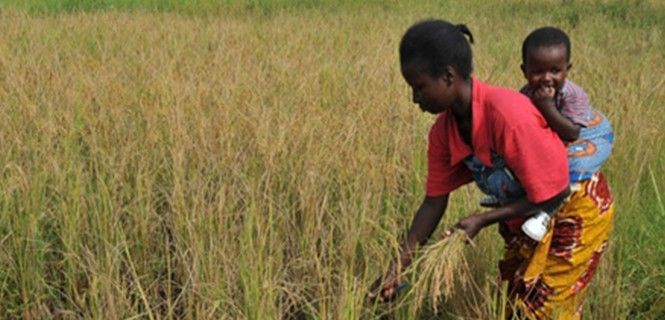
x=260, y=159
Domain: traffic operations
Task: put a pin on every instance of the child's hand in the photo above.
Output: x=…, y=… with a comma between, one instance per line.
x=544, y=97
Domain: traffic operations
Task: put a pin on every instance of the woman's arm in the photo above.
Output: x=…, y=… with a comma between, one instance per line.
x=426, y=220
x=474, y=223
x=424, y=223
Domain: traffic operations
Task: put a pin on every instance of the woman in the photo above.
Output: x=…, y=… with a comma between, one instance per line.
x=498, y=139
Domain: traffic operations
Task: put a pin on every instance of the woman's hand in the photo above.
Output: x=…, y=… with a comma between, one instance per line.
x=384, y=289
x=427, y=218
x=471, y=224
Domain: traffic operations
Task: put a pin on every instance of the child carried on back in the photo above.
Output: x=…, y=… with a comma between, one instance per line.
x=565, y=106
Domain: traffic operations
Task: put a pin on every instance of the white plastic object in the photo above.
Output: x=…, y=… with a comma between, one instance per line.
x=536, y=226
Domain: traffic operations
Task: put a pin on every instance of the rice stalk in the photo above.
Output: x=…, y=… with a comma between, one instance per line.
x=442, y=270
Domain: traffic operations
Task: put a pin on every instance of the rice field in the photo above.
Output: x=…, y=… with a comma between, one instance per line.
x=174, y=159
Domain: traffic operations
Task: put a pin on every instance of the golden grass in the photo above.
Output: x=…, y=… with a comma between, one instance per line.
x=261, y=166
x=442, y=270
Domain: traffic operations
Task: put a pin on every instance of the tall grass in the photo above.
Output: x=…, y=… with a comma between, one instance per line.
x=259, y=164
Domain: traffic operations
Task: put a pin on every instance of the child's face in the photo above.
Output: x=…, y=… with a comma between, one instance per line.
x=546, y=67
x=432, y=94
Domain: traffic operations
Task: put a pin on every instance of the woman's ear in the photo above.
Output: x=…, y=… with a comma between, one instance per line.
x=523, y=68
x=449, y=74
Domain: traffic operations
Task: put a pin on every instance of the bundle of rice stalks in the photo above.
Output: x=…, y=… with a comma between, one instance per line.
x=441, y=269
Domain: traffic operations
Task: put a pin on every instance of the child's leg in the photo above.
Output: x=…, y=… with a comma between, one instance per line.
x=490, y=201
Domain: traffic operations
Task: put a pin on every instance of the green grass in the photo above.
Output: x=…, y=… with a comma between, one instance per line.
x=253, y=160
x=188, y=7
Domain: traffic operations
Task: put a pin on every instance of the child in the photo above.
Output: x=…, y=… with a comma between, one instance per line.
x=586, y=132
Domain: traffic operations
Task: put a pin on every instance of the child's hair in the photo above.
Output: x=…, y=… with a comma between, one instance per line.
x=434, y=44
x=546, y=37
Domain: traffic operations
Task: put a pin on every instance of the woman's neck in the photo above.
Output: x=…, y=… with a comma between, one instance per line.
x=462, y=111
x=462, y=107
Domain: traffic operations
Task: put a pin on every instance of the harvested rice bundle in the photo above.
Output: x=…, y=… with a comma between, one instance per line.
x=441, y=268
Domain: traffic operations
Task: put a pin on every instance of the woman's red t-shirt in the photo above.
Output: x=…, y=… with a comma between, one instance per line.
x=506, y=122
